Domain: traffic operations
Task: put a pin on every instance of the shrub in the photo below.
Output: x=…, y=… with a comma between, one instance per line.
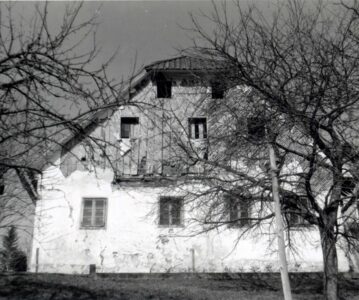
x=11, y=257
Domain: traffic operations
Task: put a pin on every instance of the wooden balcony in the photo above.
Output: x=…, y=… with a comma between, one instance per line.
x=141, y=161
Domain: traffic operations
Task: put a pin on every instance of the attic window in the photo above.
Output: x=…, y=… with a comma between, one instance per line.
x=197, y=128
x=217, y=91
x=128, y=125
x=256, y=128
x=164, y=88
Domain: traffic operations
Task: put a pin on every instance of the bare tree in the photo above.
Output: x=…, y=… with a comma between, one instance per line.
x=51, y=87
x=299, y=74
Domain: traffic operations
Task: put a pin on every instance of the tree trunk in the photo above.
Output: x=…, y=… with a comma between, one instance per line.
x=330, y=261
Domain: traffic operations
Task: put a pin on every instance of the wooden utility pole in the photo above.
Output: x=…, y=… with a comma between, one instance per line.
x=279, y=224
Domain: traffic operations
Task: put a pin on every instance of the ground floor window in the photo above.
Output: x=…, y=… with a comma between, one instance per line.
x=171, y=211
x=239, y=210
x=94, y=213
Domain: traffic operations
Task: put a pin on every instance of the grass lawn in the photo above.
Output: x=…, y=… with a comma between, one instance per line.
x=195, y=287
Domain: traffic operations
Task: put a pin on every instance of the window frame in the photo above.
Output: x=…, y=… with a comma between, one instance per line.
x=181, y=212
x=217, y=90
x=94, y=227
x=166, y=88
x=288, y=214
x=196, y=121
x=251, y=134
x=131, y=122
x=240, y=200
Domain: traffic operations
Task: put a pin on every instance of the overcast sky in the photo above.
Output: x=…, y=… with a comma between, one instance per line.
x=152, y=29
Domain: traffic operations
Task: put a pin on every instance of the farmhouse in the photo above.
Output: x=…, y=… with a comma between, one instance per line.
x=138, y=196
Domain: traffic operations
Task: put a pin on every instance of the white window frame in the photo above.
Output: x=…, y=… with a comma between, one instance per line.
x=95, y=227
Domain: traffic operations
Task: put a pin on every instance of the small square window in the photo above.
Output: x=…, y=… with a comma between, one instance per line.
x=128, y=126
x=94, y=213
x=239, y=211
x=217, y=91
x=256, y=128
x=197, y=128
x=171, y=211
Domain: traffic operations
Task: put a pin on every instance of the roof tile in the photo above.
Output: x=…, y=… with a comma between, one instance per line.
x=185, y=63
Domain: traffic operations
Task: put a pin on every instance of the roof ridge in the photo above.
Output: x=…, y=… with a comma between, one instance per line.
x=165, y=60
x=181, y=62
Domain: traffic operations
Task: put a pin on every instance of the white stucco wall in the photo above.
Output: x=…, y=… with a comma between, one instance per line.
x=134, y=242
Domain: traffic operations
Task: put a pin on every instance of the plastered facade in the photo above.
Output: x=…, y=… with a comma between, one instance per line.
x=133, y=240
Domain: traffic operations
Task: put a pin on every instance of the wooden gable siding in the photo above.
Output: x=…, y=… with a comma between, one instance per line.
x=153, y=150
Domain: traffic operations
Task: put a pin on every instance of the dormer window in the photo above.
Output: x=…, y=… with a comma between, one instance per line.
x=217, y=90
x=164, y=87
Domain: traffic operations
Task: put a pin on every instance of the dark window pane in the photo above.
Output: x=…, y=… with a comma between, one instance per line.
x=170, y=210
x=348, y=186
x=256, y=128
x=125, y=131
x=217, y=91
x=100, y=212
x=196, y=131
x=164, y=89
x=197, y=128
x=176, y=211
x=295, y=208
x=233, y=210
x=93, y=214
x=238, y=210
x=88, y=203
x=205, y=129
x=126, y=124
x=86, y=221
x=244, y=210
x=164, y=211
x=99, y=222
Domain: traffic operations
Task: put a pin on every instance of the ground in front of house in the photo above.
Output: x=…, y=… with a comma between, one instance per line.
x=190, y=287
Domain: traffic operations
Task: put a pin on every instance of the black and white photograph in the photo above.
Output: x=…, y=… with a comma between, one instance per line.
x=179, y=150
